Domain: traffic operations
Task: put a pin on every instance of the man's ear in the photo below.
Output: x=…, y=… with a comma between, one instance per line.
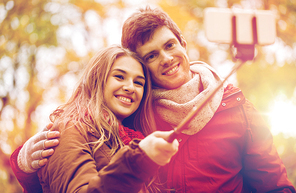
x=184, y=43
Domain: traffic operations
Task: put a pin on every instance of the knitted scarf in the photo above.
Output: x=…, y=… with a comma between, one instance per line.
x=126, y=134
x=174, y=105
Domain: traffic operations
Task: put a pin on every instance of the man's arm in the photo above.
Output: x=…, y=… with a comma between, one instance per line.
x=28, y=158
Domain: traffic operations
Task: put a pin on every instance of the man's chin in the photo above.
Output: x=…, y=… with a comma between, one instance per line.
x=170, y=85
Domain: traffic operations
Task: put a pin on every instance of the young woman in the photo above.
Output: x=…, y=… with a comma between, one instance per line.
x=93, y=153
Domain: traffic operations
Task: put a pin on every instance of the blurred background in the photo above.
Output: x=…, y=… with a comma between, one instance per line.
x=44, y=45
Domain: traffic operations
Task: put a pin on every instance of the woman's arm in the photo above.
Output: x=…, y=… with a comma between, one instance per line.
x=133, y=165
x=73, y=168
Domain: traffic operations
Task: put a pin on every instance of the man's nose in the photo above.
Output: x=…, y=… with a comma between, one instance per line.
x=166, y=58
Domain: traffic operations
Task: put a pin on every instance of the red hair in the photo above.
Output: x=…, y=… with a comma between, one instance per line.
x=140, y=27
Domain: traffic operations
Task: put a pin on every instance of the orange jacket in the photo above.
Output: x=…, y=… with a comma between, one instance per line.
x=74, y=167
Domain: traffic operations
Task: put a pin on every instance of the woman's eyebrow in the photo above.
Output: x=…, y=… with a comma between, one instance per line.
x=120, y=70
x=123, y=71
x=142, y=77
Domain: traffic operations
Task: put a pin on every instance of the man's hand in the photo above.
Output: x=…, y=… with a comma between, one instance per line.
x=37, y=149
x=157, y=148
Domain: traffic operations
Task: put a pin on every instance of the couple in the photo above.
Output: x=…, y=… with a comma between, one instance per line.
x=226, y=148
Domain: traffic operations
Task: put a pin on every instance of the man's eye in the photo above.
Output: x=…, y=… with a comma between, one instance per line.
x=150, y=58
x=170, y=45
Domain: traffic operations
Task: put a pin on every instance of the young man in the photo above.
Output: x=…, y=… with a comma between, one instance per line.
x=227, y=147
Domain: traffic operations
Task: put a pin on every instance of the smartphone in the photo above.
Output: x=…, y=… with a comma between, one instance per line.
x=220, y=24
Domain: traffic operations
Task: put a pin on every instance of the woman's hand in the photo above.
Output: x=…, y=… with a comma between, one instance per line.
x=37, y=149
x=157, y=148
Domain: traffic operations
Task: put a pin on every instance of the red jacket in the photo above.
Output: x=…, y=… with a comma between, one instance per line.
x=29, y=181
x=234, y=152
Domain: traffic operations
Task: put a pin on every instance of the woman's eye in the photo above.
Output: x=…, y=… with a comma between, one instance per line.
x=119, y=77
x=139, y=83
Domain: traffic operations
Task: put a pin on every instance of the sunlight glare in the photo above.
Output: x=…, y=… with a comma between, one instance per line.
x=282, y=118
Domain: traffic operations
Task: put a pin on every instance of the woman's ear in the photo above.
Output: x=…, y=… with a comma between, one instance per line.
x=184, y=43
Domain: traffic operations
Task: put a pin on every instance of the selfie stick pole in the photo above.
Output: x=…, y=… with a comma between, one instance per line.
x=243, y=53
x=185, y=122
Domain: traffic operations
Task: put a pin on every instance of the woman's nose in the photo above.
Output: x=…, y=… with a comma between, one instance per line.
x=129, y=87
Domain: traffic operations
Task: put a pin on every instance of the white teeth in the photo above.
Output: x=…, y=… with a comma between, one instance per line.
x=172, y=70
x=124, y=99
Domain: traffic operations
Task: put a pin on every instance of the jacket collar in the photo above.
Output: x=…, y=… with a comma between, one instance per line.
x=232, y=97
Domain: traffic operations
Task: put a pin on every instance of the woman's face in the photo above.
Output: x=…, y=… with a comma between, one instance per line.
x=124, y=87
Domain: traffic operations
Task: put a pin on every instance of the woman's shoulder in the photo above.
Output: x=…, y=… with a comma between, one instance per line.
x=71, y=127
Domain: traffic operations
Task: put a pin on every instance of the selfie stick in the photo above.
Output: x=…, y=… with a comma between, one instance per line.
x=243, y=53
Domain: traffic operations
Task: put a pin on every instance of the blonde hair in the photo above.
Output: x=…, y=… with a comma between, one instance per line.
x=86, y=105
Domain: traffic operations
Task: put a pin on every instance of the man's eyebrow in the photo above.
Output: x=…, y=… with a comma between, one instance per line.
x=143, y=58
x=163, y=45
x=172, y=39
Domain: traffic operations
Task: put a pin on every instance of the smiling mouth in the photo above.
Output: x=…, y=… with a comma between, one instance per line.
x=124, y=99
x=171, y=71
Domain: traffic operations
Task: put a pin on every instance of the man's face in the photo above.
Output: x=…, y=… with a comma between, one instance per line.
x=166, y=59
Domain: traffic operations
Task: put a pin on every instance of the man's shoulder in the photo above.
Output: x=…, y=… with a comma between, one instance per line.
x=230, y=90
x=232, y=97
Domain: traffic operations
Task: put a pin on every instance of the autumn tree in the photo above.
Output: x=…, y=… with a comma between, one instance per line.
x=44, y=45
x=39, y=60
